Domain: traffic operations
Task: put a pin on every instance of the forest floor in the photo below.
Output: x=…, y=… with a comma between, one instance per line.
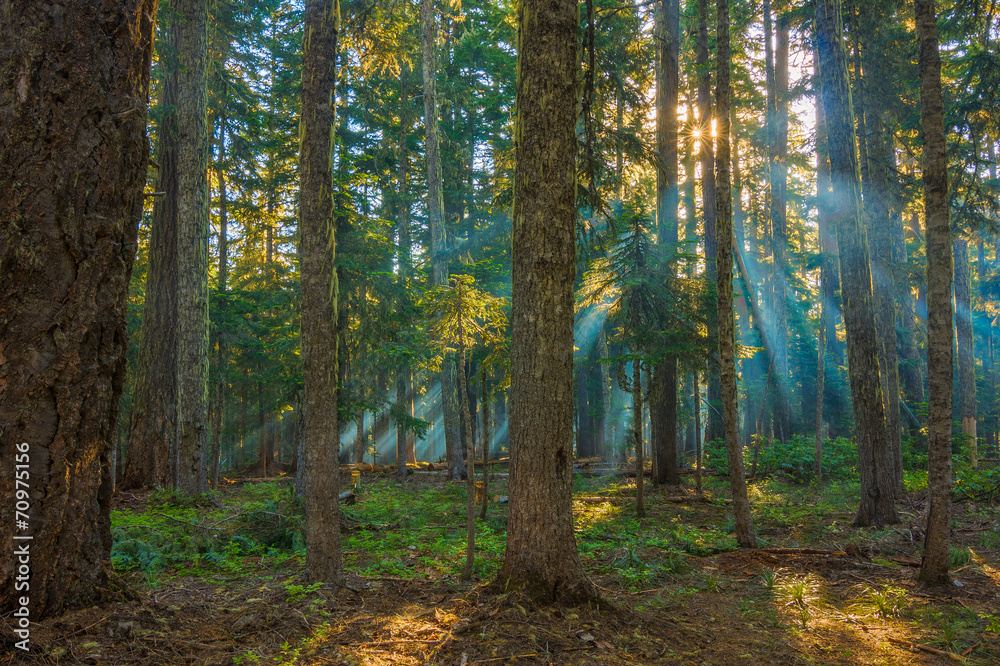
x=223, y=583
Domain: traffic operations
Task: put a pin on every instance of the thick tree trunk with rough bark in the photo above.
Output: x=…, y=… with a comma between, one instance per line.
x=877, y=502
x=74, y=85
x=320, y=369
x=150, y=461
x=934, y=567
x=191, y=28
x=541, y=557
x=727, y=323
x=966, y=349
x=663, y=392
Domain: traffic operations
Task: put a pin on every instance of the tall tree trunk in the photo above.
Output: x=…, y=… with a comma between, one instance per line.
x=436, y=222
x=966, y=350
x=151, y=459
x=877, y=505
x=934, y=567
x=727, y=325
x=404, y=390
x=319, y=315
x=73, y=154
x=192, y=245
x=222, y=352
x=541, y=556
x=877, y=202
x=716, y=428
x=663, y=392
x=776, y=66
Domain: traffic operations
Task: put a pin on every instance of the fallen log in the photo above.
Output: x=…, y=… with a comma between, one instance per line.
x=928, y=648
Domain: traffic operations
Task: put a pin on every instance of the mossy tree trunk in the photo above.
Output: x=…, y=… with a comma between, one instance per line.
x=74, y=85
x=727, y=322
x=934, y=567
x=319, y=315
x=193, y=145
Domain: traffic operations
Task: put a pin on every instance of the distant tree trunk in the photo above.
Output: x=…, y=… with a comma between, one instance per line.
x=359, y=440
x=261, y=431
x=776, y=76
x=877, y=506
x=697, y=431
x=470, y=451
x=584, y=445
x=934, y=567
x=716, y=428
x=541, y=556
x=877, y=201
x=966, y=350
x=727, y=325
x=487, y=438
x=436, y=222
x=820, y=379
x=222, y=357
x=640, y=464
x=319, y=316
x=151, y=458
x=73, y=154
x=663, y=392
x=404, y=390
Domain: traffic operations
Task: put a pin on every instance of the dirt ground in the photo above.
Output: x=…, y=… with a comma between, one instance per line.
x=738, y=607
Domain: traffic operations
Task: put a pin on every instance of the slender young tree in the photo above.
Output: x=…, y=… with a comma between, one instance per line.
x=74, y=87
x=319, y=290
x=541, y=557
x=727, y=323
x=435, y=218
x=934, y=566
x=222, y=351
x=877, y=502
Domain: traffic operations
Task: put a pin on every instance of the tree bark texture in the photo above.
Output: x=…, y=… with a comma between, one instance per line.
x=727, y=324
x=966, y=348
x=541, y=556
x=150, y=461
x=934, y=566
x=74, y=86
x=877, y=202
x=663, y=392
x=190, y=29
x=222, y=358
x=877, y=502
x=319, y=290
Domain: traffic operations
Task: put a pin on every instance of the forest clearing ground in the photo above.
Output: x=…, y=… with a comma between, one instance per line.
x=225, y=584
